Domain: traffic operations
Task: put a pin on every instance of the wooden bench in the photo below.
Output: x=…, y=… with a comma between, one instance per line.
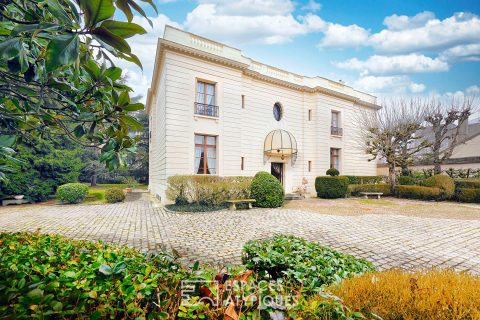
x=366, y=194
x=233, y=203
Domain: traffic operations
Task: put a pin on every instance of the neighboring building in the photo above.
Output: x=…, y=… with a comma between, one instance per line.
x=465, y=155
x=214, y=111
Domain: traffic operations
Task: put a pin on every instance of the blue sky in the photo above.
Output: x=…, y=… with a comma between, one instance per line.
x=389, y=48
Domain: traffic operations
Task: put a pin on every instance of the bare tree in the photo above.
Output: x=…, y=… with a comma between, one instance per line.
x=390, y=133
x=445, y=121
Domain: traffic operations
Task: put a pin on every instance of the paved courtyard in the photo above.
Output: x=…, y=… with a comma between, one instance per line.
x=388, y=240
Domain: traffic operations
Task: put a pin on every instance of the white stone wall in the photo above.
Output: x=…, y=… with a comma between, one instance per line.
x=241, y=132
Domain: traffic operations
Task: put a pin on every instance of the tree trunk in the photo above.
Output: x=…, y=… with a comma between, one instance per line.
x=93, y=180
x=392, y=176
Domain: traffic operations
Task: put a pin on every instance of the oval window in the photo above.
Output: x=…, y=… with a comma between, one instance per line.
x=277, y=111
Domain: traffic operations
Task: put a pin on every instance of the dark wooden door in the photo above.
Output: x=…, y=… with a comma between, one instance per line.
x=277, y=171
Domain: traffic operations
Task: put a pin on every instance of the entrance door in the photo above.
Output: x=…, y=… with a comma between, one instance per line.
x=277, y=171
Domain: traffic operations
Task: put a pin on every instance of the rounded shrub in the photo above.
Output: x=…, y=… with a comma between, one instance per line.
x=332, y=172
x=267, y=190
x=444, y=183
x=72, y=192
x=114, y=195
x=419, y=192
x=331, y=187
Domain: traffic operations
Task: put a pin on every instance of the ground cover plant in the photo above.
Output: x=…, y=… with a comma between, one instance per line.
x=301, y=263
x=43, y=276
x=114, y=195
x=395, y=294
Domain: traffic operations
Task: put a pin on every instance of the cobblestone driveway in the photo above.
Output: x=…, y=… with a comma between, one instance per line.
x=387, y=240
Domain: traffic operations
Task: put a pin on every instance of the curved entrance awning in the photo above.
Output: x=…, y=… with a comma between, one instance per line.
x=280, y=143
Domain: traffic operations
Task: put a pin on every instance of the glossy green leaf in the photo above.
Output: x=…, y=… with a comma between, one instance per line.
x=58, y=11
x=33, y=27
x=10, y=48
x=134, y=107
x=105, y=269
x=125, y=8
x=139, y=9
x=96, y=10
x=123, y=29
x=114, y=73
x=131, y=122
x=111, y=39
x=62, y=50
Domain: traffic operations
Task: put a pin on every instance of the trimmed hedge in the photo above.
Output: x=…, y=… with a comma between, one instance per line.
x=72, y=192
x=355, y=189
x=331, y=187
x=364, y=179
x=267, y=190
x=444, y=183
x=114, y=195
x=468, y=195
x=406, y=181
x=419, y=192
x=471, y=184
x=207, y=190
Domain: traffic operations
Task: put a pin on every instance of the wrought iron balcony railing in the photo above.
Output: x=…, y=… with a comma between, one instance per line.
x=336, y=131
x=206, y=109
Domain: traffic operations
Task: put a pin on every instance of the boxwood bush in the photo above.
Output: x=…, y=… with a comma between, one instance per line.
x=332, y=172
x=444, y=183
x=114, y=195
x=355, y=189
x=300, y=262
x=419, y=192
x=407, y=181
x=364, y=179
x=468, y=195
x=331, y=187
x=267, y=190
x=72, y=192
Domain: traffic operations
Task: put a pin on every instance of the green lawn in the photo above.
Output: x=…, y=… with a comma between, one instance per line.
x=96, y=194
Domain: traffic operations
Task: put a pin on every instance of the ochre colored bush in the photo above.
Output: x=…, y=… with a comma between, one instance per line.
x=355, y=189
x=468, y=195
x=395, y=294
x=267, y=190
x=470, y=183
x=72, y=192
x=114, y=195
x=328, y=187
x=364, y=179
x=418, y=192
x=207, y=190
x=444, y=183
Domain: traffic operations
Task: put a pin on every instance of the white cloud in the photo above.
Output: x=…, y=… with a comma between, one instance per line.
x=461, y=28
x=473, y=90
x=145, y=47
x=468, y=52
x=251, y=7
x=340, y=36
x=395, y=22
x=388, y=84
x=312, y=5
x=270, y=26
x=401, y=64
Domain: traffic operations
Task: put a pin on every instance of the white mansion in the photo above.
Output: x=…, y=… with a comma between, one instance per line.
x=214, y=111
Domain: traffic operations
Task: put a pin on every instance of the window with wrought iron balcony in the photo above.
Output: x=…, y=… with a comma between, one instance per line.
x=335, y=129
x=205, y=100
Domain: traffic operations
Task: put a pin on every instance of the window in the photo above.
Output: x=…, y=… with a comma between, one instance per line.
x=277, y=111
x=205, y=100
x=336, y=130
x=243, y=101
x=309, y=166
x=309, y=114
x=242, y=165
x=205, y=154
x=335, y=158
